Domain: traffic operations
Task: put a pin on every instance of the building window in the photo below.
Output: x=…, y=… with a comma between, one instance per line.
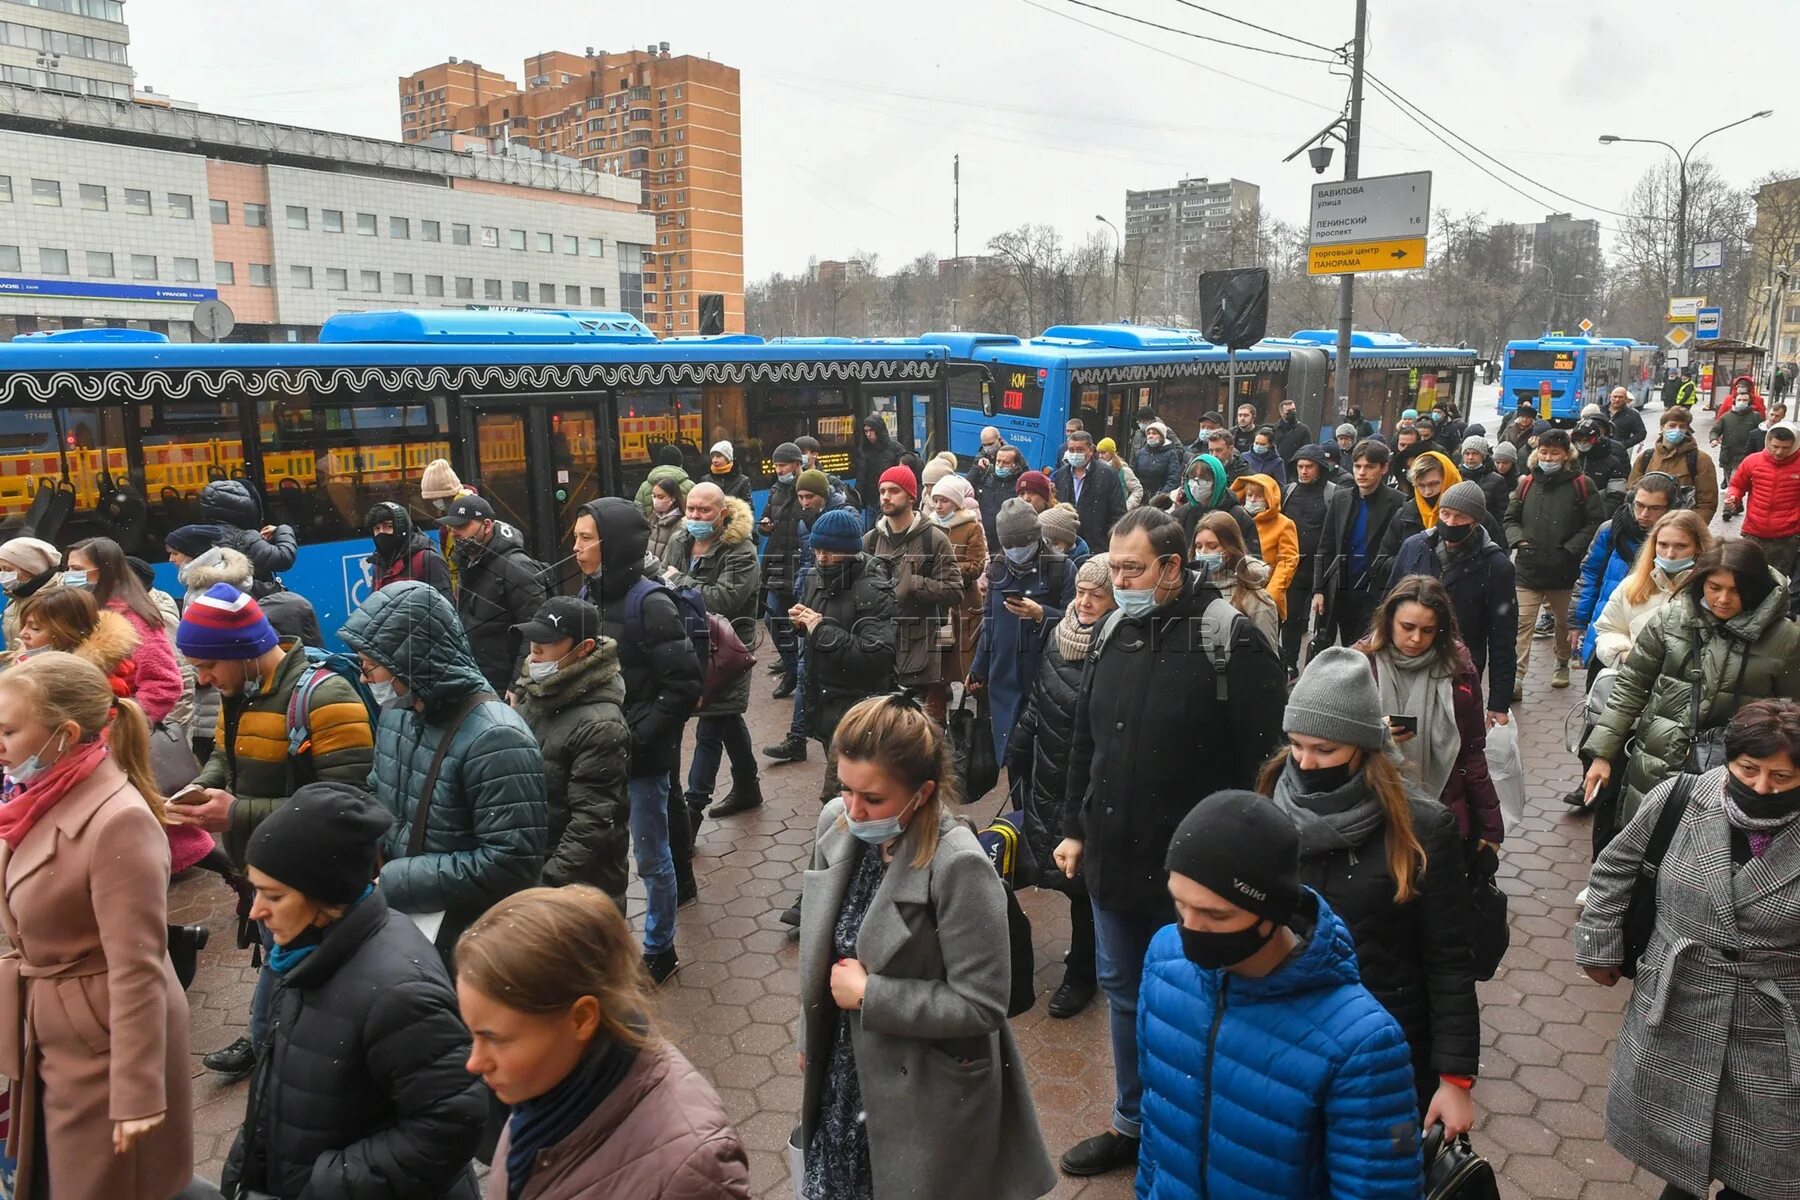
x=459, y=235
x=224, y=273
x=371, y=282
x=9, y=258
x=259, y=274
x=546, y=243
x=546, y=293
x=521, y=290
x=52, y=261
x=490, y=236
x=684, y=320
x=337, y=279
x=187, y=270
x=220, y=210
x=331, y=220
x=47, y=192
x=256, y=215
x=99, y=264
x=434, y=285
x=365, y=224
x=5, y=189
x=429, y=231
x=515, y=238
x=571, y=244
x=181, y=206
x=571, y=293
x=465, y=288
x=678, y=91
x=296, y=216
x=93, y=197
x=403, y=283
x=143, y=266
x=400, y=227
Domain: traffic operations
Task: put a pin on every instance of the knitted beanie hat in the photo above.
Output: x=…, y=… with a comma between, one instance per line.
x=1107, y=446
x=838, y=532
x=1345, y=430
x=1239, y=845
x=934, y=473
x=813, y=482
x=1016, y=524
x=224, y=624
x=32, y=556
x=956, y=490
x=1506, y=451
x=1060, y=524
x=1466, y=498
x=193, y=540
x=724, y=450
x=1035, y=481
x=439, y=481
x=1476, y=442
x=902, y=478
x=787, y=452
x=1095, y=573
x=322, y=842
x=1336, y=699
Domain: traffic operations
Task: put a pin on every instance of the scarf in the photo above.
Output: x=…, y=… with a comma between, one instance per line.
x=543, y=1121
x=1417, y=687
x=283, y=959
x=1428, y=508
x=1072, y=637
x=1343, y=819
x=38, y=797
x=1759, y=831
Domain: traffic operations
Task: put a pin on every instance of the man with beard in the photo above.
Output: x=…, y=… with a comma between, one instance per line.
x=927, y=581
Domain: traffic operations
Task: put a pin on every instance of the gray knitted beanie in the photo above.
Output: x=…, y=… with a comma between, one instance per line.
x=1336, y=699
x=1016, y=523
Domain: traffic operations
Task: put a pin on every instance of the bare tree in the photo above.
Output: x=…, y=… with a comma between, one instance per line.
x=1035, y=258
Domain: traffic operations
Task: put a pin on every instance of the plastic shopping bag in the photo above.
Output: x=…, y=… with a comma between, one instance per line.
x=1506, y=767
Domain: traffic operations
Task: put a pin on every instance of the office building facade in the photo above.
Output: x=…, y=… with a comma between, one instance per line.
x=78, y=46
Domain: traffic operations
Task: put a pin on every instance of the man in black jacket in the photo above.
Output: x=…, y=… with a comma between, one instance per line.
x=498, y=586
x=235, y=508
x=1350, y=573
x=1601, y=458
x=1290, y=434
x=876, y=451
x=1549, y=524
x=781, y=527
x=1093, y=488
x=1152, y=685
x=995, y=480
x=401, y=551
x=1628, y=426
x=1304, y=504
x=1243, y=434
x=662, y=688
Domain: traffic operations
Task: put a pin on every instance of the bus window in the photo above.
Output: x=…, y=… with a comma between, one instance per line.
x=1605, y=371
x=85, y=446
x=783, y=414
x=502, y=454
x=725, y=421
x=1264, y=392
x=924, y=445
x=574, y=462
x=187, y=445
x=651, y=419
x=324, y=466
x=1184, y=401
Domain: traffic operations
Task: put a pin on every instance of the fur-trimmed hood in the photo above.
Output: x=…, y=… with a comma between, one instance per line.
x=110, y=645
x=221, y=564
x=736, y=524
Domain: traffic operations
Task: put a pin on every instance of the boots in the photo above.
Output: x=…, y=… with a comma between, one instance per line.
x=791, y=748
x=745, y=795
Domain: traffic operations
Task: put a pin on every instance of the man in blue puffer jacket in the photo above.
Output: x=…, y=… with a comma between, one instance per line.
x=1614, y=550
x=1269, y=1071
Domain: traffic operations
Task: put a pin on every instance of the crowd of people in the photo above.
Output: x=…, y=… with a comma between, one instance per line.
x=432, y=835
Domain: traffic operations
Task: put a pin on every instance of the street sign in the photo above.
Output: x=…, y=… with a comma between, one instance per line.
x=1678, y=336
x=1706, y=325
x=1380, y=209
x=1396, y=254
x=1683, y=308
x=1708, y=256
x=1586, y=326
x=213, y=320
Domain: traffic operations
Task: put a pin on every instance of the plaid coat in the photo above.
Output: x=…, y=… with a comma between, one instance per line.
x=1703, y=1075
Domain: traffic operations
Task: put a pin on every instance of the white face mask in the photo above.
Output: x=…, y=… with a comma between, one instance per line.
x=9, y=580
x=387, y=695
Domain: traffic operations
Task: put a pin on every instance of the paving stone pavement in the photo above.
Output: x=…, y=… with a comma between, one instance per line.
x=1548, y=1031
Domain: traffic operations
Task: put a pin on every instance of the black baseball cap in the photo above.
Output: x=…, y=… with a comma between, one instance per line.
x=562, y=617
x=468, y=507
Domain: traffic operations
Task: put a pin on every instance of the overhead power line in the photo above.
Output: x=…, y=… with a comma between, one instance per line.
x=1188, y=33
x=1259, y=28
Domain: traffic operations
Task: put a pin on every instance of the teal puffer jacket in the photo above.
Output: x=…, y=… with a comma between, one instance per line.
x=487, y=828
x=1750, y=657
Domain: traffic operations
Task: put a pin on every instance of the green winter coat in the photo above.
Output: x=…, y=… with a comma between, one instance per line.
x=1737, y=435
x=1550, y=522
x=486, y=828
x=578, y=716
x=730, y=578
x=1750, y=657
x=674, y=475
x=927, y=585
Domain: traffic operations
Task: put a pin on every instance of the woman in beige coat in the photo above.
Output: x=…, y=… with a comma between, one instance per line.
x=86, y=875
x=958, y=514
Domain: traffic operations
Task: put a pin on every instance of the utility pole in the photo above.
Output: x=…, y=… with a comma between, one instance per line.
x=955, y=237
x=1778, y=290
x=1352, y=143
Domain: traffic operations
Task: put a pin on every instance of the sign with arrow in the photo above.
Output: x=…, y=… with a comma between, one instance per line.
x=1345, y=258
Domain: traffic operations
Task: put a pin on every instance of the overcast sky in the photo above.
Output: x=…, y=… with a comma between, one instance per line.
x=852, y=111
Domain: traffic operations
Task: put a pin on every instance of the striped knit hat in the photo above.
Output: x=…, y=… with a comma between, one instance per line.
x=224, y=623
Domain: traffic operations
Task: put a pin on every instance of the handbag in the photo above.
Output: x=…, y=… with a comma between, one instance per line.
x=1453, y=1171
x=172, y=760
x=1490, y=933
x=1640, y=910
x=972, y=743
x=730, y=659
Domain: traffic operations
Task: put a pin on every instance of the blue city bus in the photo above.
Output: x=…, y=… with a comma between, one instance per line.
x=1560, y=375
x=1104, y=374
x=542, y=411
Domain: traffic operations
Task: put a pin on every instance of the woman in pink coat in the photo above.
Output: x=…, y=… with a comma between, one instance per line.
x=84, y=877
x=99, y=565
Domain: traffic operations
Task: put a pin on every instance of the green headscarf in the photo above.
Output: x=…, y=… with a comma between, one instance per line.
x=1219, y=487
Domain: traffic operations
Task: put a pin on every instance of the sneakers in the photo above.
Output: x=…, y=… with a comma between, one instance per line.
x=1559, y=678
x=661, y=965
x=784, y=688
x=1101, y=1153
x=233, y=1062
x=742, y=798
x=1546, y=625
x=792, y=748
x=1075, y=994
x=1576, y=799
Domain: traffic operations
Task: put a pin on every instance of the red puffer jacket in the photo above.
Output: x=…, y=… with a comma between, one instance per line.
x=1773, y=508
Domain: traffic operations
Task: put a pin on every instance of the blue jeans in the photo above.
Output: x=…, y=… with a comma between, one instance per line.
x=264, y=996
x=781, y=630
x=1120, y=942
x=655, y=864
x=797, y=723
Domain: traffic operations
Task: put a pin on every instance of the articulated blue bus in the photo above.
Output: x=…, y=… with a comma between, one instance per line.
x=1561, y=375
x=1104, y=374
x=542, y=411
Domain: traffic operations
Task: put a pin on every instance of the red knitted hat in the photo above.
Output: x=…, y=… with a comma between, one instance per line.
x=1035, y=481
x=902, y=478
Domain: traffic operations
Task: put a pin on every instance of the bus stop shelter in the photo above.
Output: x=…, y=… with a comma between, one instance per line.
x=1716, y=363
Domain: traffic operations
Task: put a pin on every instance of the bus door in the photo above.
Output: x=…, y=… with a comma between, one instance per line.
x=908, y=414
x=1120, y=399
x=536, y=460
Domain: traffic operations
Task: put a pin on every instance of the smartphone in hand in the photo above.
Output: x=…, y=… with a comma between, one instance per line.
x=193, y=793
x=1403, y=724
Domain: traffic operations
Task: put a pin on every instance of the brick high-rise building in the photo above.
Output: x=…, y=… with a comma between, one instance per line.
x=673, y=123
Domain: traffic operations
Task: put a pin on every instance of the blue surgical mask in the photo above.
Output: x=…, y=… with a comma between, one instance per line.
x=1005, y=472
x=1210, y=561
x=540, y=671
x=34, y=766
x=881, y=830
x=1075, y=458
x=1674, y=436
x=1673, y=566
x=700, y=530
x=1550, y=468
x=1020, y=555
x=1134, y=602
x=387, y=695
x=74, y=579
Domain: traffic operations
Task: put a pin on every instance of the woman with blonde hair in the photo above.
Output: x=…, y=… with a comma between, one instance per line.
x=1662, y=566
x=913, y=1085
x=91, y=1014
x=553, y=991
x=1222, y=561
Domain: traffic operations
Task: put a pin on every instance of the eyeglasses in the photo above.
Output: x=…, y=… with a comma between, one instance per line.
x=1130, y=572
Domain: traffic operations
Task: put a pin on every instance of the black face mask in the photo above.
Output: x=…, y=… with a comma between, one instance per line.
x=1754, y=804
x=1320, y=780
x=387, y=545
x=1216, y=951
x=1456, y=535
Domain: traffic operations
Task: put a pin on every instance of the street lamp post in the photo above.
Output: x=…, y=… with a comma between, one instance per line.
x=1118, y=243
x=1681, y=197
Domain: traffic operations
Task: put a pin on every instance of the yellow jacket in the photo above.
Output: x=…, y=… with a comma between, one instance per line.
x=1280, y=539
